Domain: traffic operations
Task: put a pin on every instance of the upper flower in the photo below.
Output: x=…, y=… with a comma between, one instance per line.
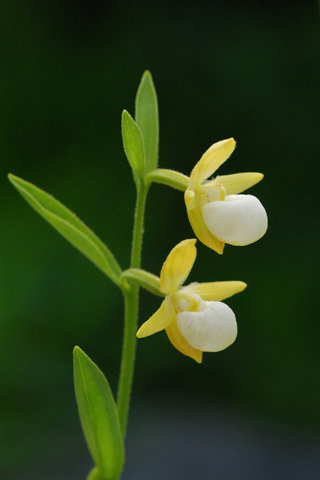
x=217, y=214
x=193, y=316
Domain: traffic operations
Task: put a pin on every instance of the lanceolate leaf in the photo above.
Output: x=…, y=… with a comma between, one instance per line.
x=69, y=226
x=148, y=119
x=99, y=418
x=133, y=144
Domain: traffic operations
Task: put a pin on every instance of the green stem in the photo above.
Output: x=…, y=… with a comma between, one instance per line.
x=131, y=296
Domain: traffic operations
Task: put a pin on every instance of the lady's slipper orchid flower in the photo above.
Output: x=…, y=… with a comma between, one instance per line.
x=194, y=318
x=217, y=214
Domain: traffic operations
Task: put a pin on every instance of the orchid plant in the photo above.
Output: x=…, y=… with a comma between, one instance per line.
x=193, y=316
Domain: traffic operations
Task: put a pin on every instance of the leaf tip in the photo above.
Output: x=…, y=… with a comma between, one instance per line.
x=125, y=114
x=146, y=74
x=77, y=352
x=126, y=119
x=12, y=178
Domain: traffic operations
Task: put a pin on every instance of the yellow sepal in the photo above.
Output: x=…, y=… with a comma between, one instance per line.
x=159, y=320
x=177, y=266
x=211, y=160
x=199, y=227
x=181, y=344
x=238, y=182
x=214, y=291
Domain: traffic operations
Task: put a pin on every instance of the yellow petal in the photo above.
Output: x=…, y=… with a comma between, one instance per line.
x=215, y=291
x=177, y=266
x=197, y=223
x=211, y=160
x=159, y=320
x=238, y=182
x=181, y=344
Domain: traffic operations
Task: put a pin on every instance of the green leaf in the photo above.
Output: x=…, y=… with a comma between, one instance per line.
x=70, y=227
x=94, y=474
x=98, y=415
x=133, y=144
x=148, y=119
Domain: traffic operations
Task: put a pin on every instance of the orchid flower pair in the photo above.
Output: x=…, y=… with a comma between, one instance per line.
x=193, y=316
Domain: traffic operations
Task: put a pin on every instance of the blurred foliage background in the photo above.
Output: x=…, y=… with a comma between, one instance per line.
x=244, y=69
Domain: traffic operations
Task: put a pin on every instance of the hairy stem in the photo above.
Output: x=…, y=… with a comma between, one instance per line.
x=131, y=296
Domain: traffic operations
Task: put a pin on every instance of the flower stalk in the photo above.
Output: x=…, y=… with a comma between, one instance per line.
x=144, y=279
x=171, y=178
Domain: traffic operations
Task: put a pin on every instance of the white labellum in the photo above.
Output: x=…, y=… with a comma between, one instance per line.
x=212, y=329
x=237, y=220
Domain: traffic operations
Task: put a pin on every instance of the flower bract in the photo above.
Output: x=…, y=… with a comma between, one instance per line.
x=193, y=316
x=216, y=211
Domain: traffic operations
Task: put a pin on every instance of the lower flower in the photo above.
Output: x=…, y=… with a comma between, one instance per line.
x=193, y=316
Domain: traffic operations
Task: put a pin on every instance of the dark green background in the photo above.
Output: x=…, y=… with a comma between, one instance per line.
x=67, y=71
